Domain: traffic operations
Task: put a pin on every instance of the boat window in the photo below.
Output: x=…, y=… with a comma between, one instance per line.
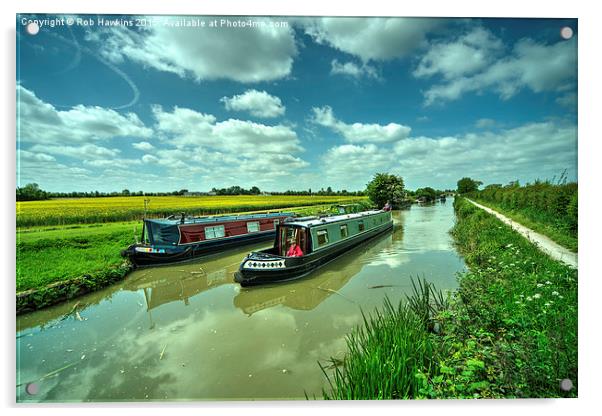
x=322, y=237
x=217, y=231
x=344, y=231
x=361, y=226
x=253, y=227
x=276, y=222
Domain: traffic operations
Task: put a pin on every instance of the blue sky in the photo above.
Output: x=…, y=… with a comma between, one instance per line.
x=293, y=103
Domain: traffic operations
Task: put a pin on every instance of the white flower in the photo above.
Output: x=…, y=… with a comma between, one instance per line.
x=539, y=285
x=547, y=304
x=554, y=293
x=548, y=282
x=509, y=245
x=529, y=298
x=536, y=296
x=561, y=297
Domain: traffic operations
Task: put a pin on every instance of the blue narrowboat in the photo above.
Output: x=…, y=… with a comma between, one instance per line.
x=304, y=244
x=178, y=239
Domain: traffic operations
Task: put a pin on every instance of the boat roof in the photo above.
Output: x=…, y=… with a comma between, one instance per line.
x=315, y=221
x=218, y=218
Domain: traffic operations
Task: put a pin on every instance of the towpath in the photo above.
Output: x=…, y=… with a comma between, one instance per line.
x=544, y=243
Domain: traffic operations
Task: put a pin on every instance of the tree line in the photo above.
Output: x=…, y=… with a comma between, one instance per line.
x=32, y=192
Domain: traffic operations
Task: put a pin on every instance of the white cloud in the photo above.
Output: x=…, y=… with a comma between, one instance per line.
x=40, y=122
x=359, y=132
x=257, y=103
x=113, y=162
x=528, y=152
x=150, y=159
x=34, y=157
x=531, y=65
x=371, y=38
x=353, y=70
x=465, y=55
x=485, y=123
x=87, y=151
x=568, y=99
x=143, y=146
x=241, y=54
x=190, y=128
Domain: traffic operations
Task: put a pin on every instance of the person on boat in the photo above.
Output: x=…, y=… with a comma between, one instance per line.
x=387, y=207
x=294, y=250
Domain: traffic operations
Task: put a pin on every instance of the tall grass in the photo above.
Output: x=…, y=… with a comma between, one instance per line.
x=384, y=357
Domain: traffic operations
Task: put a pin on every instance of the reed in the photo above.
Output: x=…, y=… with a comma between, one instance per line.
x=384, y=357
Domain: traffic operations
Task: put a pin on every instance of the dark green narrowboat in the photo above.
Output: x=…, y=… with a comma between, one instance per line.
x=319, y=240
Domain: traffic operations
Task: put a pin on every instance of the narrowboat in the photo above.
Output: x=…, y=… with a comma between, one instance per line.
x=317, y=241
x=178, y=239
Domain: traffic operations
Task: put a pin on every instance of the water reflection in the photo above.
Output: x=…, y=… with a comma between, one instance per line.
x=187, y=332
x=306, y=294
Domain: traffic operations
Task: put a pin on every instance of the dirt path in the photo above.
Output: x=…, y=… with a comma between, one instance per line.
x=546, y=245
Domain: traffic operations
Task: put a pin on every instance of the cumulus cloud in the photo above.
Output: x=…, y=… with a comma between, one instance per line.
x=187, y=127
x=375, y=38
x=532, y=65
x=528, y=152
x=465, y=55
x=87, y=151
x=257, y=103
x=353, y=70
x=26, y=155
x=41, y=122
x=143, y=146
x=359, y=132
x=257, y=54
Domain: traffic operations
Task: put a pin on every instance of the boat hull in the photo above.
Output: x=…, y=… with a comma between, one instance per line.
x=174, y=254
x=299, y=267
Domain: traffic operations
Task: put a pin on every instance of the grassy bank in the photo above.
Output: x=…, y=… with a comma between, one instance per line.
x=510, y=330
x=112, y=209
x=550, y=209
x=535, y=221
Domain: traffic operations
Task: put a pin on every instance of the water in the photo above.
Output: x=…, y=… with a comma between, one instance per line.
x=188, y=332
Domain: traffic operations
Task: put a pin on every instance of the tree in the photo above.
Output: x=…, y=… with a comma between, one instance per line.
x=125, y=192
x=466, y=185
x=428, y=193
x=385, y=187
x=31, y=192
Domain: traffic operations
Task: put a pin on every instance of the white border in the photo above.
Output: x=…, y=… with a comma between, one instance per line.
x=589, y=174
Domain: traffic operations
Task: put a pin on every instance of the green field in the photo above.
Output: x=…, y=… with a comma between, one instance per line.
x=111, y=209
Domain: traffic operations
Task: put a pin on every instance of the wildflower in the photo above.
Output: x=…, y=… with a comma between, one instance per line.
x=547, y=304
x=517, y=302
x=509, y=245
x=536, y=296
x=560, y=297
x=548, y=282
x=540, y=285
x=522, y=296
x=529, y=298
x=554, y=293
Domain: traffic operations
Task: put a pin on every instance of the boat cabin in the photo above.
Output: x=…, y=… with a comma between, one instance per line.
x=164, y=232
x=315, y=234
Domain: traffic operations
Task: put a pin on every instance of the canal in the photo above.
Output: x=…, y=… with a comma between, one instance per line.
x=188, y=332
